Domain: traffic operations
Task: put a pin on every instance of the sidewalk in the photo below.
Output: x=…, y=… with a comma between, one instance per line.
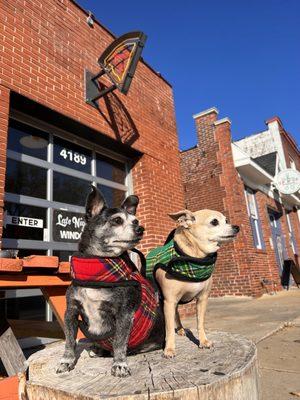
x=273, y=323
x=253, y=318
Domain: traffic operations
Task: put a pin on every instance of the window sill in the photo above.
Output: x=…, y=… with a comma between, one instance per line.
x=260, y=251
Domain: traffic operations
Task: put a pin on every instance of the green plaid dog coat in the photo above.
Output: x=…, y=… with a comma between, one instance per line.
x=178, y=264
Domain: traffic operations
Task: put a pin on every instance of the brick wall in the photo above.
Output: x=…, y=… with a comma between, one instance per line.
x=45, y=47
x=211, y=181
x=201, y=169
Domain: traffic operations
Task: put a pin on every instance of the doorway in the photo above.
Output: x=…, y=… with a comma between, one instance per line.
x=278, y=240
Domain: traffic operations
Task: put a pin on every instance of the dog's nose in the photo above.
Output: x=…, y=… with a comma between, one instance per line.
x=139, y=230
x=235, y=228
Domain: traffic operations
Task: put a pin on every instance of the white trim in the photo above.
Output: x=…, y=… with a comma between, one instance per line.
x=206, y=112
x=250, y=196
x=39, y=245
x=222, y=121
x=13, y=293
x=246, y=166
x=273, y=128
x=256, y=186
x=288, y=201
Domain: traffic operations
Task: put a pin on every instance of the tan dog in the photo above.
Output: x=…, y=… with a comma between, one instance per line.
x=198, y=235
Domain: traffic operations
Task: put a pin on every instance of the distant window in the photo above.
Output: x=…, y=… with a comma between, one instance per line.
x=254, y=219
x=291, y=234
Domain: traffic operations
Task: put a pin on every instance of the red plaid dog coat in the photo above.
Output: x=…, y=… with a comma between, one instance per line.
x=114, y=271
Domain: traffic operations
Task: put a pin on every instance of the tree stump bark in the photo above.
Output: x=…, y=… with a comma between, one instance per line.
x=227, y=371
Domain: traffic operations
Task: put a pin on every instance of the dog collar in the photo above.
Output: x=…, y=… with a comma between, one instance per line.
x=178, y=264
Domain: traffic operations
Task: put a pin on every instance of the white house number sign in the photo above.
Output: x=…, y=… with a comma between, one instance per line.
x=73, y=156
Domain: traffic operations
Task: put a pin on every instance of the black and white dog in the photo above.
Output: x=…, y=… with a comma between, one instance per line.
x=106, y=312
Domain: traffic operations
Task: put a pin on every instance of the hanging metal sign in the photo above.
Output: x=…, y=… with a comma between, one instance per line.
x=288, y=181
x=118, y=62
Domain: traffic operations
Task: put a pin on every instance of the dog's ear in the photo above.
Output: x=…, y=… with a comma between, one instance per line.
x=184, y=218
x=94, y=203
x=130, y=204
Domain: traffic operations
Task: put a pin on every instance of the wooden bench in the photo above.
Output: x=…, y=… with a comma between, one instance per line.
x=53, y=278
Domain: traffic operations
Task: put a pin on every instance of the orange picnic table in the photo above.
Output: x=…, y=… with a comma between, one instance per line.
x=45, y=273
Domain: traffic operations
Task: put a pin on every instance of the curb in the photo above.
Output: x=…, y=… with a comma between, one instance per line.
x=286, y=324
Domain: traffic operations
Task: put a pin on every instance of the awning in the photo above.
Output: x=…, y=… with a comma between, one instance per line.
x=247, y=167
x=251, y=171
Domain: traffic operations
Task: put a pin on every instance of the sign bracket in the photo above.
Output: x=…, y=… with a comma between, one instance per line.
x=93, y=91
x=118, y=62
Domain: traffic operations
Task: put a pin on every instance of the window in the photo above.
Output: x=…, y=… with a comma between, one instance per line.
x=27, y=140
x=47, y=181
x=254, y=219
x=110, y=169
x=25, y=179
x=70, y=190
x=291, y=234
x=114, y=197
x=22, y=221
x=48, y=178
x=72, y=156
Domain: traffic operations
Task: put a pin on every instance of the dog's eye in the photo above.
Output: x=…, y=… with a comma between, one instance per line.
x=135, y=222
x=214, y=222
x=226, y=221
x=118, y=221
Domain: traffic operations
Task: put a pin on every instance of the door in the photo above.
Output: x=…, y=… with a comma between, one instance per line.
x=278, y=240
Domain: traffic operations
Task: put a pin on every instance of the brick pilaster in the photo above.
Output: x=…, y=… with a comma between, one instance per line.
x=205, y=128
x=4, y=116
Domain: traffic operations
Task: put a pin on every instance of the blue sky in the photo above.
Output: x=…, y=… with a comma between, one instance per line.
x=241, y=56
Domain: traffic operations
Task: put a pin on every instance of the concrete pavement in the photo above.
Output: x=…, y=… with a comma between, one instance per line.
x=279, y=365
x=253, y=318
x=273, y=323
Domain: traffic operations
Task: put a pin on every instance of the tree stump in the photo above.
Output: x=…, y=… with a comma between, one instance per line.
x=227, y=371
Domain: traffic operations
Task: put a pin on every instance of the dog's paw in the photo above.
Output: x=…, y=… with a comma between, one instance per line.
x=120, y=370
x=206, y=344
x=64, y=367
x=169, y=353
x=181, y=332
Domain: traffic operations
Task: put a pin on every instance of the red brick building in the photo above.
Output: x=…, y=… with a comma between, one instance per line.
x=236, y=178
x=54, y=145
